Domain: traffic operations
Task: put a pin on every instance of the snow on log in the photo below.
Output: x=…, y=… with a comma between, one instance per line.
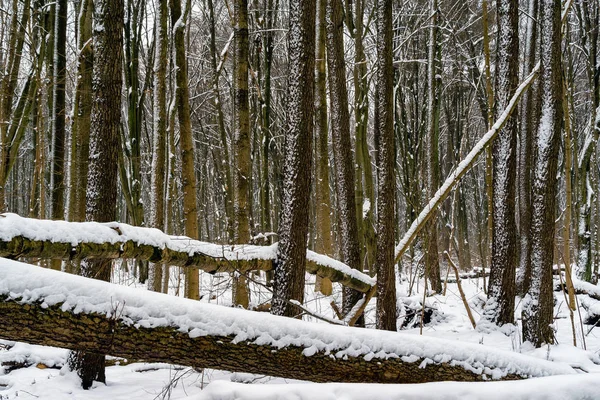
x=51, y=308
x=35, y=238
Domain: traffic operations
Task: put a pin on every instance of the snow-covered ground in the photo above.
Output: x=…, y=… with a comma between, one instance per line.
x=45, y=379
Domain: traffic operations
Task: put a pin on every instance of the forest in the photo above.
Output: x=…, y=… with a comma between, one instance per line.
x=297, y=199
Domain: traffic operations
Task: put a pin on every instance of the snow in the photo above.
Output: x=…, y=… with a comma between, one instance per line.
x=12, y=225
x=559, y=388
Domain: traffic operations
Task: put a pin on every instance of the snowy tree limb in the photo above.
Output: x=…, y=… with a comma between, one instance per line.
x=466, y=164
x=33, y=238
x=462, y=168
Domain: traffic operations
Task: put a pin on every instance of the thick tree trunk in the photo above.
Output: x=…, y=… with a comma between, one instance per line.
x=384, y=138
x=501, y=292
x=293, y=226
x=142, y=325
x=97, y=334
x=104, y=139
x=538, y=304
x=342, y=150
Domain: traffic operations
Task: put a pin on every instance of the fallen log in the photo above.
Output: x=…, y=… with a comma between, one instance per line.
x=46, y=239
x=56, y=309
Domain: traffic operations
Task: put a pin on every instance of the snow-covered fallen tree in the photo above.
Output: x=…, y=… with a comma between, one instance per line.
x=47, y=307
x=46, y=239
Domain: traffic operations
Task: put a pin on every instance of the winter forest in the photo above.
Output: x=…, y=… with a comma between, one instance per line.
x=299, y=199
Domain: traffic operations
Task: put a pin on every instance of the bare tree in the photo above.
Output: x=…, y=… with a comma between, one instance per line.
x=538, y=304
x=104, y=145
x=386, y=274
x=293, y=227
x=501, y=293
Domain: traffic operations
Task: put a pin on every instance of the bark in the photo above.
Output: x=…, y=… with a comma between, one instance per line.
x=58, y=111
x=490, y=117
x=342, y=150
x=432, y=265
x=293, y=226
x=101, y=199
x=65, y=249
x=190, y=208
x=159, y=142
x=538, y=304
x=386, y=274
x=526, y=135
x=243, y=163
x=80, y=135
x=501, y=290
x=323, y=242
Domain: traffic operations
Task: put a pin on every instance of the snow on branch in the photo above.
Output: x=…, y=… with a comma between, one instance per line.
x=34, y=238
x=469, y=160
x=462, y=168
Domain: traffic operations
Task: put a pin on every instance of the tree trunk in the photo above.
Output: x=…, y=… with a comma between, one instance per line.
x=538, y=304
x=293, y=226
x=384, y=138
x=342, y=150
x=159, y=142
x=323, y=242
x=104, y=139
x=190, y=208
x=500, y=305
x=243, y=163
x=432, y=264
x=58, y=111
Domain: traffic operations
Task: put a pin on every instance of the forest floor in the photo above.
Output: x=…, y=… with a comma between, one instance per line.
x=37, y=372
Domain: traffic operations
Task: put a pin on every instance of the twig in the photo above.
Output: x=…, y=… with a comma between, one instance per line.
x=460, y=290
